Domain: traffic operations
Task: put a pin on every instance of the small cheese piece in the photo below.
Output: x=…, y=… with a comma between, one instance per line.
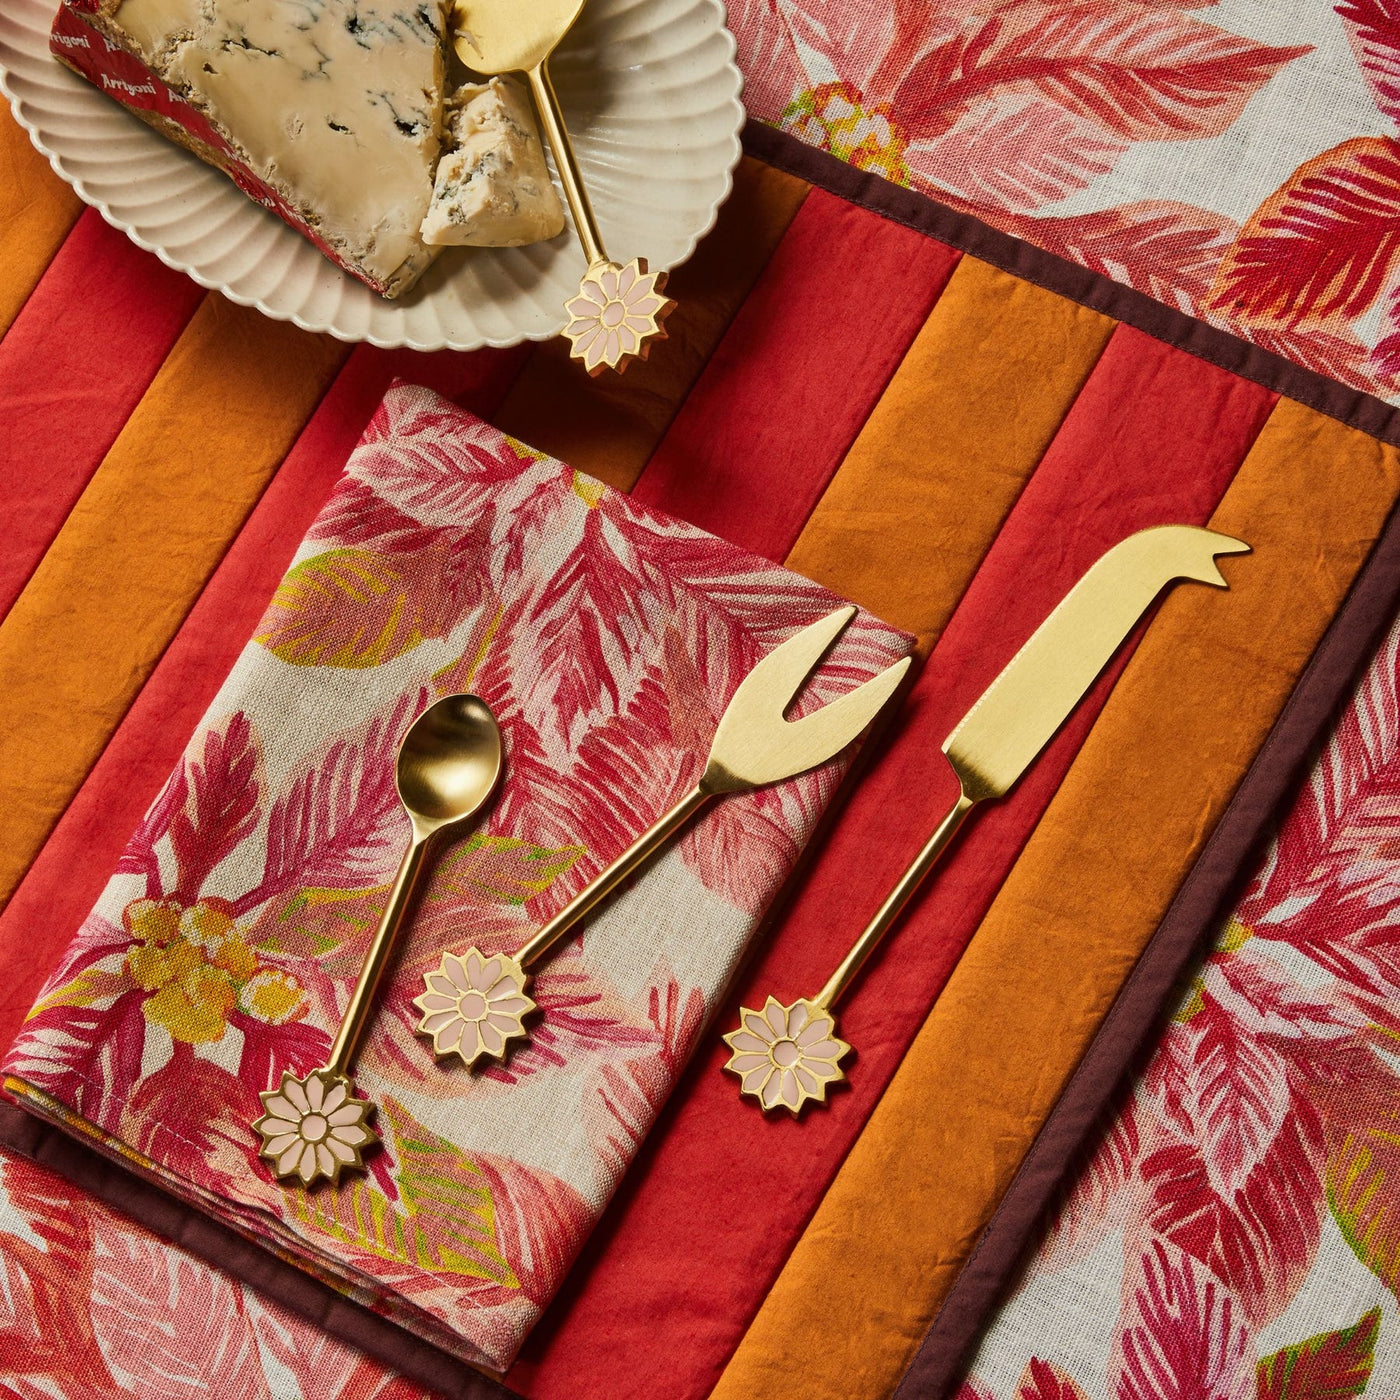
x=336, y=104
x=493, y=187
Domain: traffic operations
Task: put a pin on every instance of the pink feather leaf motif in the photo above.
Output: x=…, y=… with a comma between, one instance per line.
x=1016, y=151
x=1329, y=888
x=1322, y=245
x=340, y=822
x=167, y=1323
x=589, y=623
x=1258, y=1240
x=1098, y=1199
x=46, y=1333
x=1170, y=251
x=1373, y=27
x=1138, y=72
x=324, y=1366
x=221, y=808
x=1362, y=1125
x=139, y=857
x=1185, y=1336
x=1042, y=1381
x=541, y=1223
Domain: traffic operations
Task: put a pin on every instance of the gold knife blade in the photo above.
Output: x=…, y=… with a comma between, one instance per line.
x=787, y=1055
x=1018, y=714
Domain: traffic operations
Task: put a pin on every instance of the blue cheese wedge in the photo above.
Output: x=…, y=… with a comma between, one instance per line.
x=492, y=187
x=337, y=104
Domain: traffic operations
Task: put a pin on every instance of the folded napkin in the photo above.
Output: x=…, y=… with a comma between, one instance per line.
x=607, y=638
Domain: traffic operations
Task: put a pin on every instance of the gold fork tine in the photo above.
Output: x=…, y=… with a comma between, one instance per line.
x=753, y=745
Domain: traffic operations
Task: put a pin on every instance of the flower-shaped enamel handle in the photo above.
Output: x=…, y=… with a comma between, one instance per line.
x=313, y=1127
x=474, y=1005
x=619, y=310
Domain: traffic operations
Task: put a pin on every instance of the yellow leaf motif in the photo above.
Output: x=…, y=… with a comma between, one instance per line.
x=347, y=608
x=446, y=1219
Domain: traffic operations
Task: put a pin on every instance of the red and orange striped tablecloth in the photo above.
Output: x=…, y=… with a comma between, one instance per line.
x=929, y=417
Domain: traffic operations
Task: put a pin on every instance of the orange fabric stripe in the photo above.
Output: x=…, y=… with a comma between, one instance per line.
x=1085, y=896
x=940, y=461
x=135, y=551
x=36, y=211
x=609, y=426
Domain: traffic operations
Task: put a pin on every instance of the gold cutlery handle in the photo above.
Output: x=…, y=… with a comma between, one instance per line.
x=599, y=888
x=566, y=163
x=361, y=1003
x=890, y=910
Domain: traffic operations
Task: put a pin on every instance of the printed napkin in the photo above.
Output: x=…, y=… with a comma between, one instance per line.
x=607, y=639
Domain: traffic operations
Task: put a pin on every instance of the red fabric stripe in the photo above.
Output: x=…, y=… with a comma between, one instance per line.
x=64, y=882
x=702, y=1227
x=796, y=375
x=75, y=362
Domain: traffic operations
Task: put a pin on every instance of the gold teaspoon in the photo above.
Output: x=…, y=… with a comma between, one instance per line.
x=619, y=309
x=448, y=765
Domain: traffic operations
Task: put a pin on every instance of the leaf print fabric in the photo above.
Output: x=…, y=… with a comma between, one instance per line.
x=94, y=1307
x=607, y=639
x=1236, y=1230
x=1239, y=161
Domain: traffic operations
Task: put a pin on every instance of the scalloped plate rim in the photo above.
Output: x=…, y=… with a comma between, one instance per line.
x=35, y=131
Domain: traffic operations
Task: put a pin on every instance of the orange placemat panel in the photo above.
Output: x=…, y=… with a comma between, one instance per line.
x=147, y=532
x=1178, y=733
x=36, y=211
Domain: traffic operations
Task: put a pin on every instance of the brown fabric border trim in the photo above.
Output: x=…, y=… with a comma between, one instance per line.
x=1129, y=1029
x=1056, y=274
x=228, y=1251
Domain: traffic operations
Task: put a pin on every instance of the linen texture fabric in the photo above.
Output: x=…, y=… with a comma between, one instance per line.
x=607, y=639
x=1234, y=1231
x=1238, y=161
x=97, y=1308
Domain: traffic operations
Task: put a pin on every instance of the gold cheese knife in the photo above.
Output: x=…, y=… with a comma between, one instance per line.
x=786, y=1055
x=474, y=1005
x=619, y=309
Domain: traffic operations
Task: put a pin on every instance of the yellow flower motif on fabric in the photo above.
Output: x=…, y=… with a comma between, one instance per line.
x=273, y=996
x=154, y=921
x=196, y=963
x=1234, y=936
x=785, y=1055
x=152, y=967
x=195, y=1007
x=616, y=315
x=474, y=1006
x=836, y=118
x=314, y=1128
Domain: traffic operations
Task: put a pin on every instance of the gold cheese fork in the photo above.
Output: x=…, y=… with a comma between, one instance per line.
x=786, y=1055
x=619, y=309
x=474, y=1005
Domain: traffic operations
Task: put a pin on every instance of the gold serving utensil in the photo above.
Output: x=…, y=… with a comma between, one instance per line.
x=474, y=1005
x=786, y=1055
x=619, y=309
x=448, y=765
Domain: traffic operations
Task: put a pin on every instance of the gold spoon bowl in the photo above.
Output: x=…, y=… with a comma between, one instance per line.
x=449, y=764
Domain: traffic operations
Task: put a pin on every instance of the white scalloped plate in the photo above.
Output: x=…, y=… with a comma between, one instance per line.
x=652, y=97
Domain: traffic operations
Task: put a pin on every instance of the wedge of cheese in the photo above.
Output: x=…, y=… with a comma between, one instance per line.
x=492, y=186
x=335, y=104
